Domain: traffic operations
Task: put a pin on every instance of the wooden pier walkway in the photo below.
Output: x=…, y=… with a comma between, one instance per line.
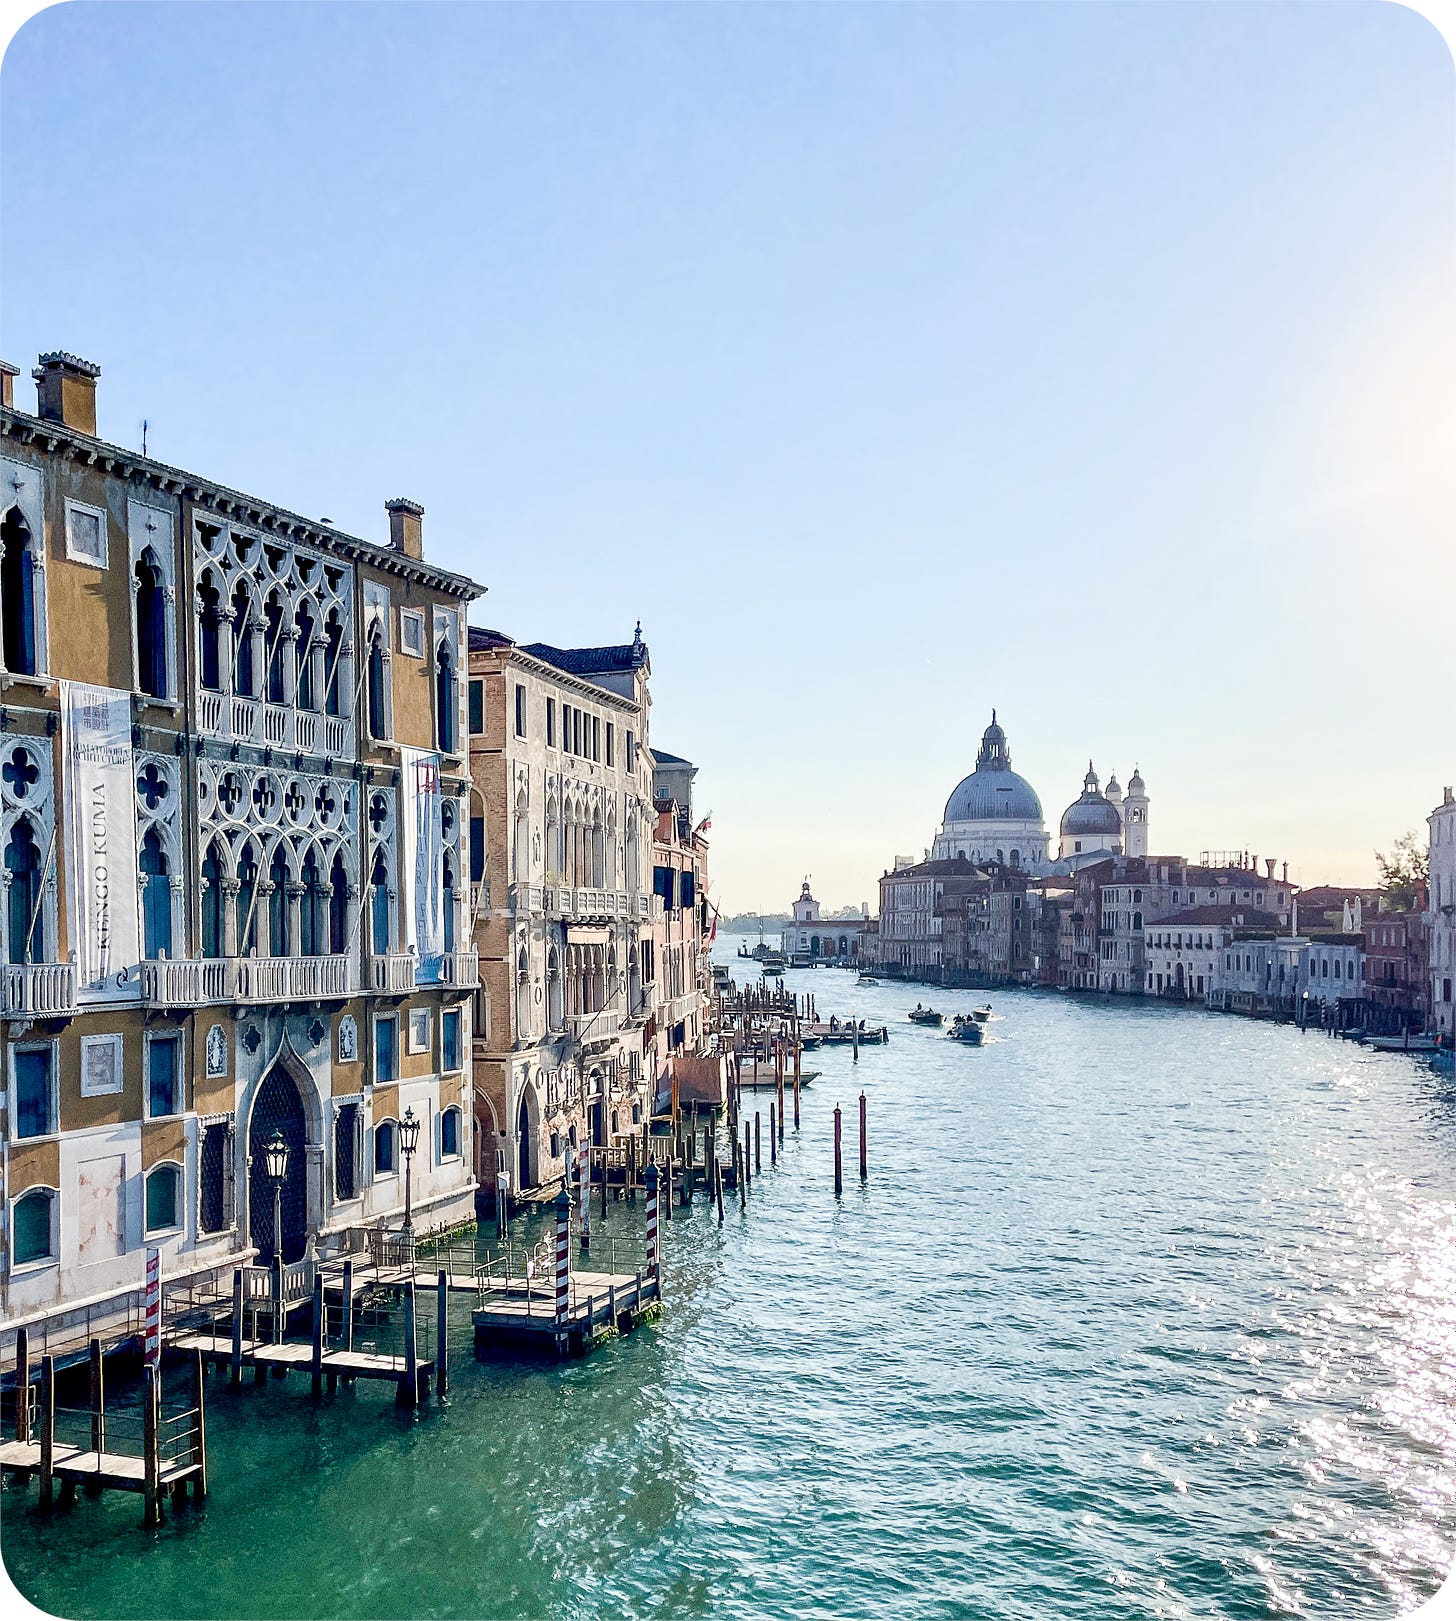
x=523, y=1313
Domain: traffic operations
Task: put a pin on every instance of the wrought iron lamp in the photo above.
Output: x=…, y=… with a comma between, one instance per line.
x=275, y=1163
x=409, y=1140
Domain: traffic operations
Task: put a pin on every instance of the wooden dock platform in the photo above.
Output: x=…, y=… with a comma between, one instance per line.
x=514, y=1311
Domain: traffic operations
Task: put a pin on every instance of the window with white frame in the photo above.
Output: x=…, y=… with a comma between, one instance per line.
x=34, y=1228
x=163, y=1057
x=86, y=534
x=412, y=632
x=450, y=1133
x=163, y=1198
x=100, y=1065
x=33, y=1085
x=450, y=1040
x=386, y=1145
x=419, y=1030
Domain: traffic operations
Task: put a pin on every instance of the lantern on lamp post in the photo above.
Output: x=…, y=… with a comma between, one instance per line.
x=275, y=1163
x=409, y=1140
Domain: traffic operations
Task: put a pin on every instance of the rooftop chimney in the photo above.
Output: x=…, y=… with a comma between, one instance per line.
x=404, y=526
x=1269, y=865
x=8, y=374
x=66, y=391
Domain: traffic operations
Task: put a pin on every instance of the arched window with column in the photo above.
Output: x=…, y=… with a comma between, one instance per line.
x=212, y=898
x=18, y=594
x=338, y=906
x=209, y=633
x=156, y=897
x=311, y=909
x=447, y=701
x=273, y=619
x=304, y=627
x=333, y=661
x=245, y=678
x=375, y=681
x=151, y=626
x=447, y=899
x=278, y=905
x=25, y=925
x=379, y=906
x=247, y=894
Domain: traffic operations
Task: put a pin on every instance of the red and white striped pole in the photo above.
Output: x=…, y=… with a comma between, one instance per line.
x=154, y=1308
x=563, y=1257
x=652, y=1253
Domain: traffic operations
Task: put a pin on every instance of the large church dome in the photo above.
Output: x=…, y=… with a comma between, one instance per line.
x=993, y=792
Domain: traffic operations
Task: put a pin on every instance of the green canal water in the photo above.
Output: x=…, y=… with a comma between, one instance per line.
x=1141, y=1312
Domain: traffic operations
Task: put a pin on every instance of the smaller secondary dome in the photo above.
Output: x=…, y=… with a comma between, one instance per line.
x=1091, y=814
x=1135, y=782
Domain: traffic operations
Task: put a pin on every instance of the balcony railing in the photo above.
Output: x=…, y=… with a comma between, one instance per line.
x=530, y=898
x=392, y=973
x=461, y=969
x=246, y=979
x=39, y=988
x=592, y=1029
x=252, y=720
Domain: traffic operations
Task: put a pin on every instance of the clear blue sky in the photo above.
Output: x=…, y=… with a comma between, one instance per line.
x=890, y=362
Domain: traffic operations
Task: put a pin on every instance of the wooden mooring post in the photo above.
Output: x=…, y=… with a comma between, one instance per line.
x=98, y=1409
x=864, y=1164
x=48, y=1430
x=773, y=1136
x=316, y=1359
x=151, y=1449
x=757, y=1141
x=235, y=1368
x=408, y=1391
x=22, y=1384
x=797, y=1050
x=838, y=1161
x=442, y=1331
x=199, y=1480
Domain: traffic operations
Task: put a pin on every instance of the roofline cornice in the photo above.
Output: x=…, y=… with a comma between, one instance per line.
x=577, y=684
x=57, y=439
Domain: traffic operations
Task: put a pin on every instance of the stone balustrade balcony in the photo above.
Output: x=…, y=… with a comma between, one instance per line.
x=38, y=989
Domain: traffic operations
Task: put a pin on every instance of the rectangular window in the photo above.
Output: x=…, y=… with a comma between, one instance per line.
x=596, y=737
x=419, y=1029
x=631, y=750
x=662, y=884
x=520, y=711
x=611, y=751
x=550, y=723
x=477, y=849
x=162, y=1077
x=450, y=1040
x=412, y=632
x=85, y=534
x=576, y=733
x=687, y=891
x=34, y=1105
x=346, y=1136
x=477, y=707
x=214, y=1179
x=386, y=1038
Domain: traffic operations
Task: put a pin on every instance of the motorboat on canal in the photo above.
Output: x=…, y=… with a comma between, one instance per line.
x=925, y=1015
x=1406, y=1044
x=867, y=979
x=774, y=964
x=967, y=1030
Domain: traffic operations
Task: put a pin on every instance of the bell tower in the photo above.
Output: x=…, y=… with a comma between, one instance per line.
x=1135, y=816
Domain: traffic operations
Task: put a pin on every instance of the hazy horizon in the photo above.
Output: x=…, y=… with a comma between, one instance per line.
x=890, y=363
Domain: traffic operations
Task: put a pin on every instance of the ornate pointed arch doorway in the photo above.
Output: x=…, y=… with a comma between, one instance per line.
x=278, y=1107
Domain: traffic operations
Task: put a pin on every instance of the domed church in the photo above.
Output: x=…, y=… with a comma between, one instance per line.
x=1101, y=824
x=993, y=815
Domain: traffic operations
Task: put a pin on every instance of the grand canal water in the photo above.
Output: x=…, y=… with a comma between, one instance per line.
x=1140, y=1313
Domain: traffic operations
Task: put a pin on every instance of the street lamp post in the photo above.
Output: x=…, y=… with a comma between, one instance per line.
x=275, y=1162
x=409, y=1138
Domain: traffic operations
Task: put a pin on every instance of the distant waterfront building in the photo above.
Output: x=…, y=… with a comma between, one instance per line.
x=1441, y=917
x=679, y=986
x=811, y=938
x=1098, y=824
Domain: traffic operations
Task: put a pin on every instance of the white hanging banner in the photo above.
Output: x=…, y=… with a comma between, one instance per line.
x=101, y=823
x=423, y=834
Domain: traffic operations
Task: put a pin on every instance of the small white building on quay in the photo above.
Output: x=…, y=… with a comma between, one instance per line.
x=1442, y=915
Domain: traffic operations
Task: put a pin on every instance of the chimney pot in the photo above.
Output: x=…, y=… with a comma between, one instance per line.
x=8, y=374
x=404, y=526
x=66, y=390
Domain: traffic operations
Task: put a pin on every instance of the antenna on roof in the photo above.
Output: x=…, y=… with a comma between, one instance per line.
x=144, y=436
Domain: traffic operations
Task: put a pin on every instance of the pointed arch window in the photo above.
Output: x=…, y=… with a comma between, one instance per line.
x=378, y=718
x=338, y=907
x=333, y=657
x=303, y=624
x=247, y=891
x=446, y=701
x=212, y=945
x=151, y=626
x=311, y=919
x=26, y=927
x=278, y=906
x=245, y=680
x=447, y=900
x=210, y=635
x=273, y=631
x=156, y=897
x=379, y=906
x=17, y=594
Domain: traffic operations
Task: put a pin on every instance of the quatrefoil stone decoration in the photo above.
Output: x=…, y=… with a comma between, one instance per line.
x=152, y=786
x=20, y=773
